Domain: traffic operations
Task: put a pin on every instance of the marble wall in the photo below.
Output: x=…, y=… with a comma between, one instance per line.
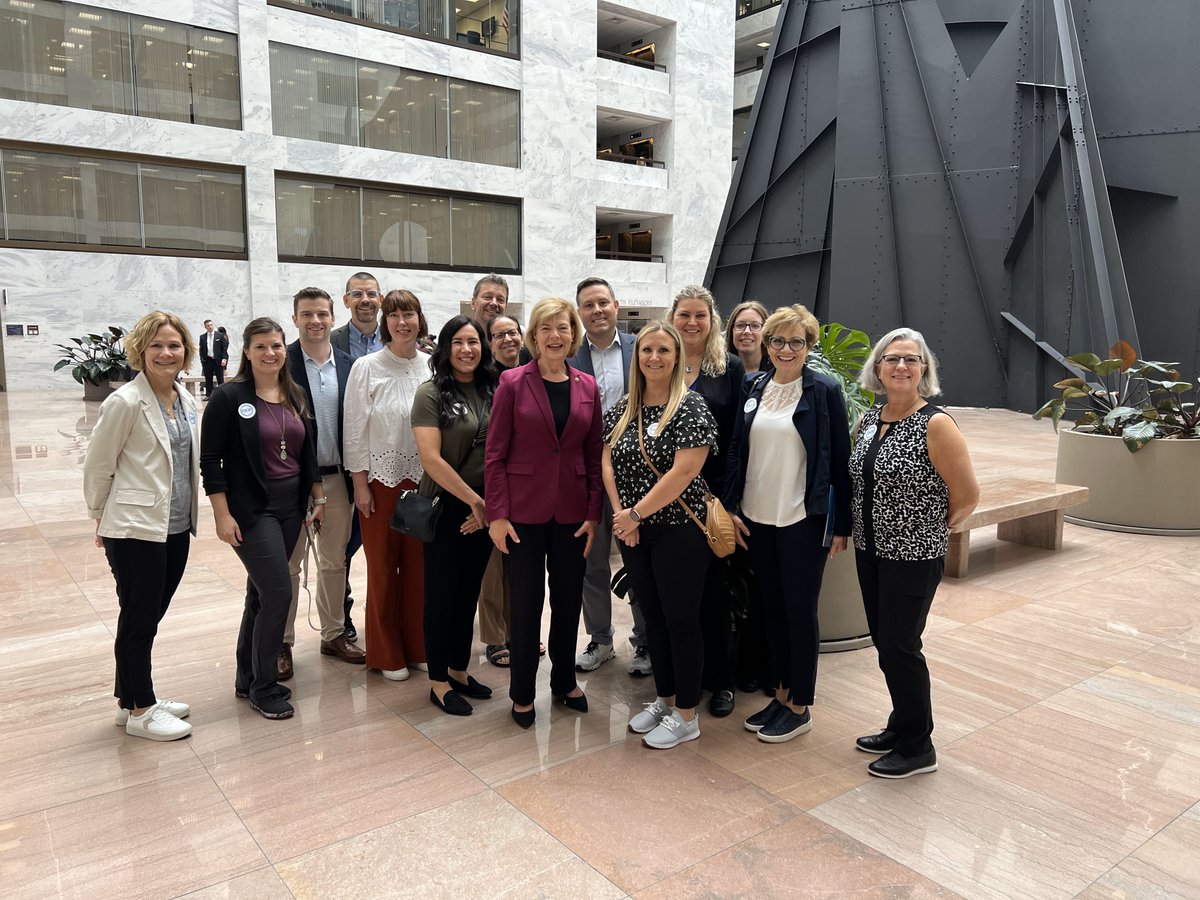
x=560, y=181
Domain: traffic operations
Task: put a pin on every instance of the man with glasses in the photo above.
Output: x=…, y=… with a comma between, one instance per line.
x=360, y=335
x=605, y=354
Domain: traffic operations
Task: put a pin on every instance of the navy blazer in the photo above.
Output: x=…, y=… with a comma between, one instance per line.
x=820, y=419
x=530, y=474
x=231, y=455
x=342, y=362
x=582, y=360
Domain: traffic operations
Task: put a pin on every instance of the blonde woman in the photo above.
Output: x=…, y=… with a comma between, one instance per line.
x=139, y=481
x=744, y=337
x=656, y=442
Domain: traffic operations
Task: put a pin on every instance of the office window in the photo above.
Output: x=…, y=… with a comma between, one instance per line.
x=64, y=198
x=402, y=110
x=87, y=57
x=420, y=229
x=313, y=95
x=484, y=123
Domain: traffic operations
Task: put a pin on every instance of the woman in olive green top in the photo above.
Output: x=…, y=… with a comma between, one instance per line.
x=449, y=420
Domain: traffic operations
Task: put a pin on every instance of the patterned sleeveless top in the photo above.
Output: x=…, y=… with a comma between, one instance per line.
x=900, y=502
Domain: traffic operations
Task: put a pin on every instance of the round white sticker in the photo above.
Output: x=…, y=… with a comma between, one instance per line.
x=868, y=434
x=652, y=429
x=751, y=405
x=247, y=411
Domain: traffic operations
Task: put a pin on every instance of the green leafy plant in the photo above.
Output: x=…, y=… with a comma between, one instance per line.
x=840, y=353
x=1133, y=399
x=95, y=358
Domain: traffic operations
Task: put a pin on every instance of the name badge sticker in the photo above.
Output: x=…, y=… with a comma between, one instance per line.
x=869, y=434
x=751, y=405
x=192, y=417
x=247, y=411
x=652, y=429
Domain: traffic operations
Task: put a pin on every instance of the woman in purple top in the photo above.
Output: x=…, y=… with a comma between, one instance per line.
x=258, y=458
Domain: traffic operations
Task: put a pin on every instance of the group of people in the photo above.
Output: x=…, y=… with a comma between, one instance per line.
x=539, y=446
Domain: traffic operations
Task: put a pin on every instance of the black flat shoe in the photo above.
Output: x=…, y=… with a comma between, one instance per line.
x=524, y=719
x=896, y=766
x=452, y=704
x=471, y=689
x=884, y=742
x=579, y=704
x=720, y=704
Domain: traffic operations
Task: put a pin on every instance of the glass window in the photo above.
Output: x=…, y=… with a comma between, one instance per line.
x=190, y=209
x=313, y=95
x=216, y=81
x=484, y=123
x=402, y=110
x=486, y=234
x=489, y=23
x=741, y=123
x=318, y=220
x=477, y=23
x=400, y=227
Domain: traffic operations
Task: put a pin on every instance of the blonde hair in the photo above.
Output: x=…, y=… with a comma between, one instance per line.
x=751, y=305
x=928, y=386
x=548, y=308
x=637, y=382
x=144, y=331
x=795, y=316
x=714, y=360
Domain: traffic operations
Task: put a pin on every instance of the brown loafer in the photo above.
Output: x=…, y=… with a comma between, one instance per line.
x=344, y=650
x=284, y=667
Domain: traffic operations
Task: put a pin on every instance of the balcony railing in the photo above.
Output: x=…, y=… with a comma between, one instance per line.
x=750, y=7
x=629, y=256
x=631, y=160
x=631, y=61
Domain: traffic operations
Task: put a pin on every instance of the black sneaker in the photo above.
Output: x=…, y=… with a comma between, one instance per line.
x=896, y=766
x=274, y=708
x=785, y=726
x=763, y=716
x=884, y=742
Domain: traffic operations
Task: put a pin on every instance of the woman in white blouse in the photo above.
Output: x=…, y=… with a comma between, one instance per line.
x=381, y=454
x=787, y=472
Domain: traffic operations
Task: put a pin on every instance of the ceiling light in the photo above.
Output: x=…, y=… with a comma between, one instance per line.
x=764, y=44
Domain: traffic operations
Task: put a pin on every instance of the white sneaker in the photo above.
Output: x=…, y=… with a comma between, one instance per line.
x=174, y=707
x=395, y=674
x=648, y=718
x=420, y=667
x=156, y=724
x=640, y=664
x=593, y=655
x=672, y=731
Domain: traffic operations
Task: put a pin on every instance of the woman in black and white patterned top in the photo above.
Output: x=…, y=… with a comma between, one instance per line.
x=665, y=552
x=913, y=482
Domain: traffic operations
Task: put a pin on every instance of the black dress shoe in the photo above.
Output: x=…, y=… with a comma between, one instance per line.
x=884, y=742
x=579, y=704
x=720, y=704
x=453, y=704
x=748, y=685
x=524, y=719
x=351, y=633
x=896, y=766
x=472, y=688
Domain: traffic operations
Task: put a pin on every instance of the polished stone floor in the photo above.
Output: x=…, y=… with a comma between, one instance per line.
x=1066, y=691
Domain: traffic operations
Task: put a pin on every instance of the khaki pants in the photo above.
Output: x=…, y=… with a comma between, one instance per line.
x=328, y=569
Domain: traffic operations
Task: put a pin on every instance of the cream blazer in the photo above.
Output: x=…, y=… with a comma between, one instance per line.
x=127, y=471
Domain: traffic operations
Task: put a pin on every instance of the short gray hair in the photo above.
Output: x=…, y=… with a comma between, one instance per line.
x=929, y=385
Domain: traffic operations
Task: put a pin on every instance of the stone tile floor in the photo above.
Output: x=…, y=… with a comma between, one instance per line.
x=1066, y=691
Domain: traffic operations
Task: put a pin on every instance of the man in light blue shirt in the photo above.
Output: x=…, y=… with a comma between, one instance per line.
x=360, y=335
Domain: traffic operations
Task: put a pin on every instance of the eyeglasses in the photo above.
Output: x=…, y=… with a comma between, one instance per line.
x=778, y=343
x=504, y=335
x=747, y=326
x=893, y=360
x=358, y=295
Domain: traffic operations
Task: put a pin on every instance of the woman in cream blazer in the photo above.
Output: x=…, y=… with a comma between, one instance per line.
x=139, y=482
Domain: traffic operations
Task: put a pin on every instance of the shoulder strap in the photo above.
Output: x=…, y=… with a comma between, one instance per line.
x=657, y=474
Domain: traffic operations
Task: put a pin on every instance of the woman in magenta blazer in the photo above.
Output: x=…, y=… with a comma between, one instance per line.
x=543, y=490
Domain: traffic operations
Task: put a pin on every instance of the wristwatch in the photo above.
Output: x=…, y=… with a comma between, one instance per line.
x=635, y=515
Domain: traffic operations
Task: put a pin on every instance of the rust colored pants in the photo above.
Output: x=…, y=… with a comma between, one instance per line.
x=395, y=618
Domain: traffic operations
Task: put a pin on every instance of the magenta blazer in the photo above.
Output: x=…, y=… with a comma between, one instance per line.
x=531, y=476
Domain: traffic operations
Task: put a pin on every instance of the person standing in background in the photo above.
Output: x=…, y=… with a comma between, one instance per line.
x=214, y=356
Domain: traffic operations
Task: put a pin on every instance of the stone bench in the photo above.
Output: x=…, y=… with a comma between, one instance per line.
x=1024, y=512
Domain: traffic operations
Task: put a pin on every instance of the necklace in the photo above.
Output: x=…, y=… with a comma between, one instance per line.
x=282, y=440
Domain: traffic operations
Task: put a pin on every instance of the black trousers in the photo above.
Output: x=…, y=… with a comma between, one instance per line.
x=265, y=550
x=753, y=657
x=548, y=547
x=667, y=570
x=716, y=626
x=147, y=574
x=454, y=567
x=897, y=595
x=789, y=563
x=212, y=370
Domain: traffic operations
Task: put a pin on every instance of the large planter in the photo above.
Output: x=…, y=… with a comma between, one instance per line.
x=840, y=614
x=97, y=391
x=1153, y=491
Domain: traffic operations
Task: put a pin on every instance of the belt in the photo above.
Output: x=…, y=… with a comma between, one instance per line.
x=329, y=470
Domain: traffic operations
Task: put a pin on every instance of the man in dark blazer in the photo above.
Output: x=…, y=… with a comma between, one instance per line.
x=214, y=356
x=606, y=354
x=321, y=371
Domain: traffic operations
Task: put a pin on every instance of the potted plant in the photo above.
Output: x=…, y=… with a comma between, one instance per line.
x=1125, y=406
x=96, y=360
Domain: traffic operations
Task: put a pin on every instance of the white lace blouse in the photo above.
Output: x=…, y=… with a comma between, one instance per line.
x=377, y=430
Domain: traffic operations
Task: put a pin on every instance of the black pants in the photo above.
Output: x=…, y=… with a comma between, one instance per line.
x=454, y=567
x=667, y=569
x=716, y=626
x=212, y=370
x=753, y=657
x=789, y=563
x=549, y=546
x=147, y=574
x=897, y=595
x=265, y=550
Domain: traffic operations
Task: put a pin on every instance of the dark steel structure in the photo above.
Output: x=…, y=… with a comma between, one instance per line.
x=1018, y=179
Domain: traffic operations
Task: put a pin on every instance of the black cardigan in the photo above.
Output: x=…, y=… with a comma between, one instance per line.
x=231, y=455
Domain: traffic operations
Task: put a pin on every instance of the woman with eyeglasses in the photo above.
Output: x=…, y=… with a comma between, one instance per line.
x=790, y=490
x=913, y=482
x=744, y=335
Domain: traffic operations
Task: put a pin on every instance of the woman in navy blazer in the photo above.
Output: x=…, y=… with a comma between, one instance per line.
x=543, y=490
x=788, y=476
